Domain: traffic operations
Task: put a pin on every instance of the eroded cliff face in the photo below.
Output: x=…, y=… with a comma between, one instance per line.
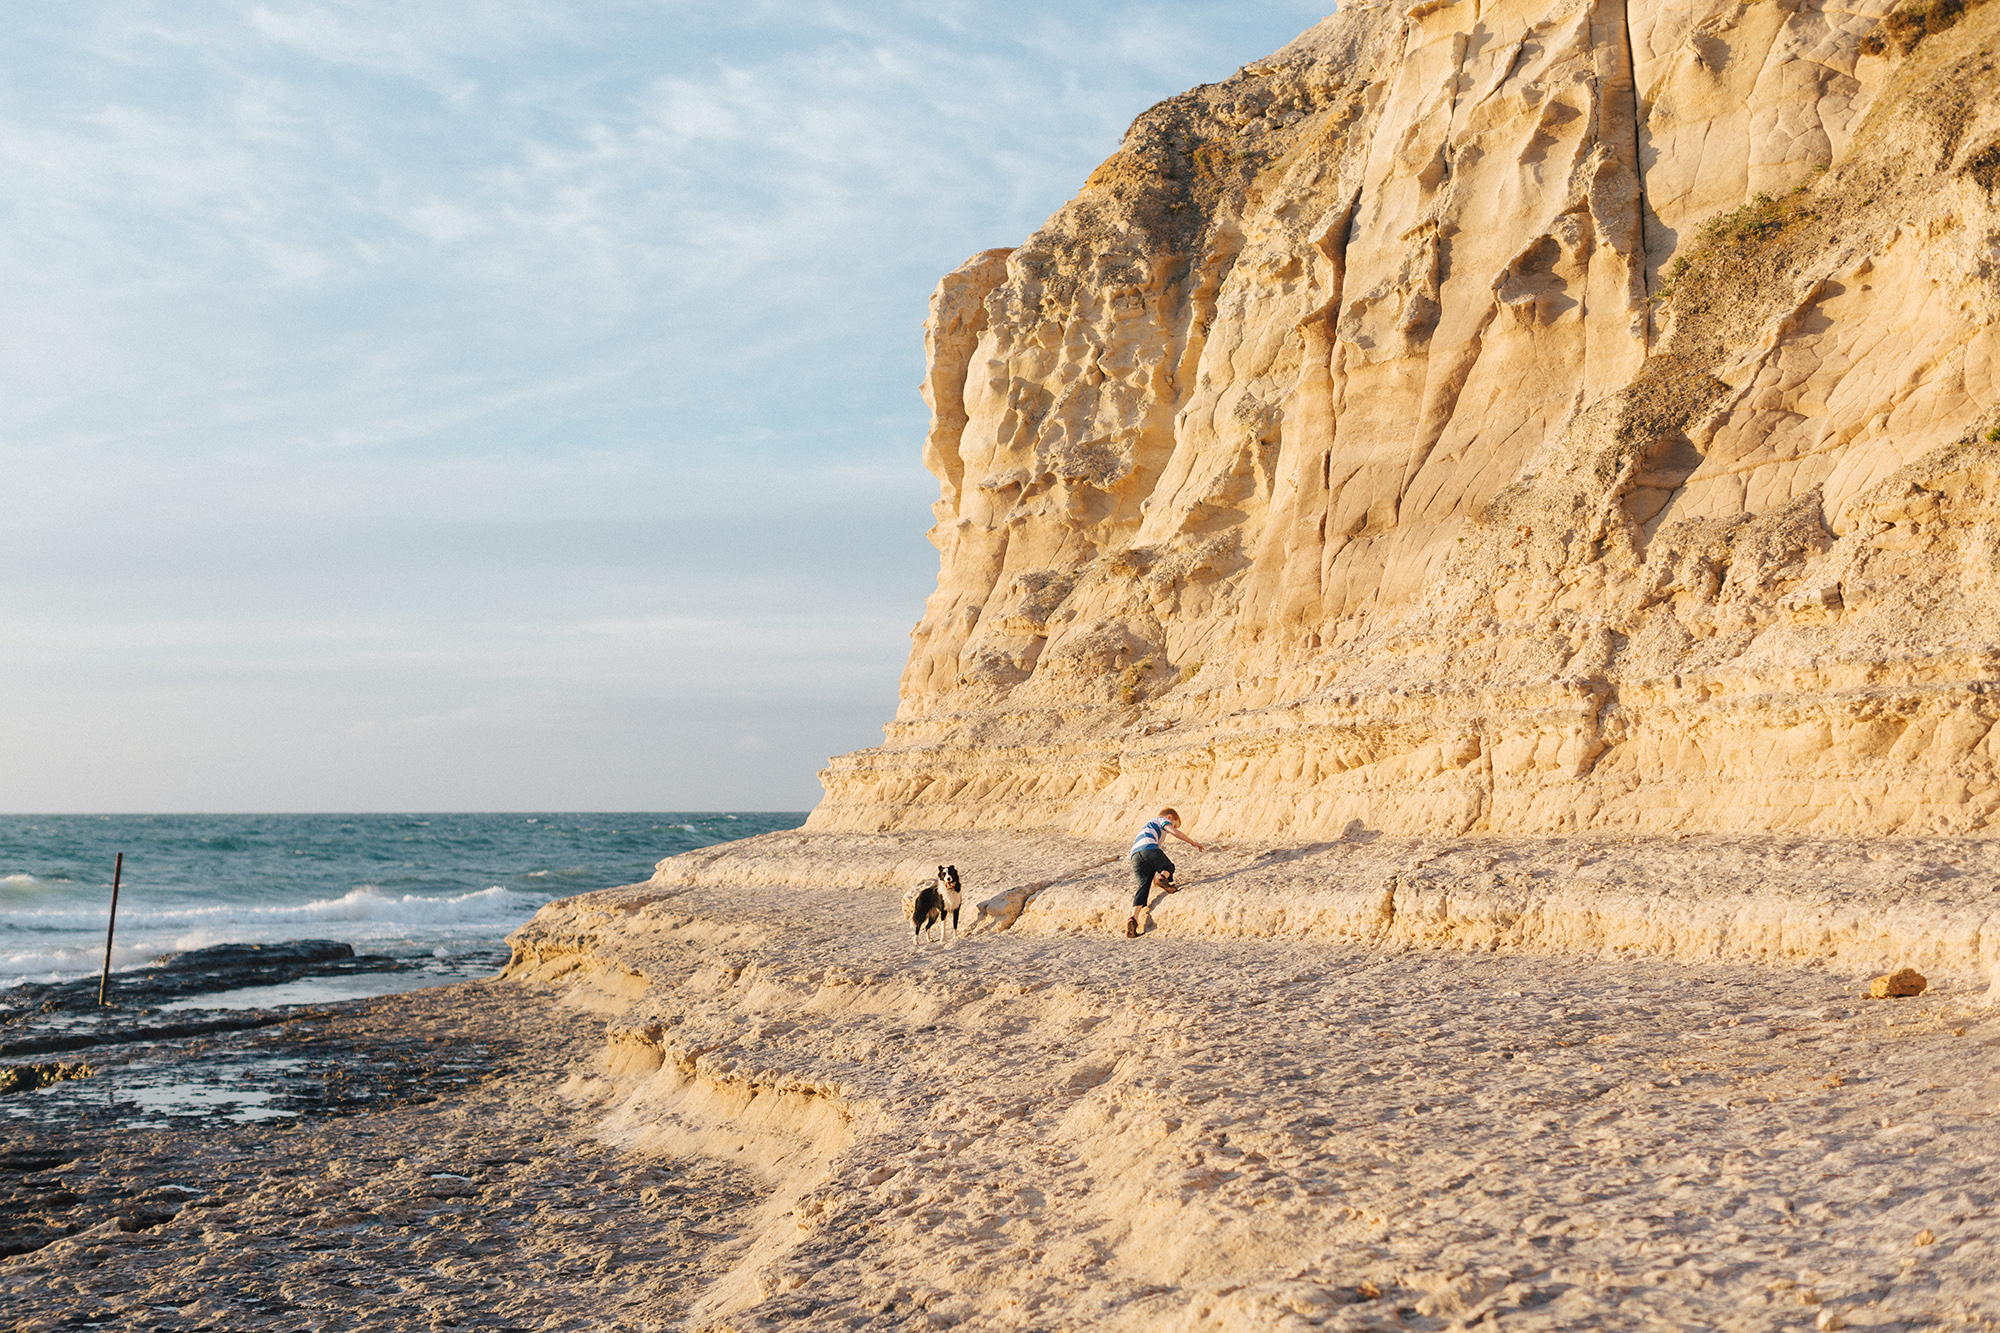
x=1500, y=415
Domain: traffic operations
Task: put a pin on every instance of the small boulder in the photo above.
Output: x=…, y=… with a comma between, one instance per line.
x=1902, y=982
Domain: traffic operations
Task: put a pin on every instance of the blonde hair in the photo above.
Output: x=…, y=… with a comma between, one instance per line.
x=1170, y=813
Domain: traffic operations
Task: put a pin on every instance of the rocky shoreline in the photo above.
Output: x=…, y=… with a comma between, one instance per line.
x=429, y=1175
x=63, y=1017
x=737, y=1097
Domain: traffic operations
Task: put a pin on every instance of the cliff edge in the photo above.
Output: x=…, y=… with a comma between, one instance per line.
x=1485, y=416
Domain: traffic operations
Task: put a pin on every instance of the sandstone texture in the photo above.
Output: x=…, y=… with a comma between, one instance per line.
x=1506, y=416
x=1053, y=1126
x=1857, y=906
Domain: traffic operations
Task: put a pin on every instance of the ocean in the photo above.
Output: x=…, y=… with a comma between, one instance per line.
x=438, y=893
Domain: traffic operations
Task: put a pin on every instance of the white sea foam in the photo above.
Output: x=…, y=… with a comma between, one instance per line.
x=366, y=904
x=60, y=962
x=52, y=943
x=369, y=903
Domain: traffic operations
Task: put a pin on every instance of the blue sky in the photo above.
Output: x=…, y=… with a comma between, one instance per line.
x=484, y=406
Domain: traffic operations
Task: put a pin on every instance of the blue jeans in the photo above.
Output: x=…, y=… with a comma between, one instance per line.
x=1146, y=863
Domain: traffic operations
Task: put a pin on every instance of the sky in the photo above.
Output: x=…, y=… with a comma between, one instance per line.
x=507, y=405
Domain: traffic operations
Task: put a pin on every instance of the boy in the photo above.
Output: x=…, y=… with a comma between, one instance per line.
x=1149, y=860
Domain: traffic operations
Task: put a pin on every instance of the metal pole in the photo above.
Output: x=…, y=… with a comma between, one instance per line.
x=117, y=872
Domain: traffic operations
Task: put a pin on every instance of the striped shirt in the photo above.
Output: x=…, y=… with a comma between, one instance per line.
x=1150, y=835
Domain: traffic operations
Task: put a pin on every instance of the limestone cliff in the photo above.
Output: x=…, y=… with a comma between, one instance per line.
x=1485, y=415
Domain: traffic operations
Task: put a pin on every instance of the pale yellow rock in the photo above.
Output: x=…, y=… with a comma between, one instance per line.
x=1525, y=417
x=1776, y=899
x=1273, y=1112
x=1903, y=982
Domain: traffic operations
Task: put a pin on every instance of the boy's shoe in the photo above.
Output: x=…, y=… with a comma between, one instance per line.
x=1131, y=927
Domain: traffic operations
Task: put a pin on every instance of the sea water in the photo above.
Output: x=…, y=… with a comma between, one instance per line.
x=439, y=891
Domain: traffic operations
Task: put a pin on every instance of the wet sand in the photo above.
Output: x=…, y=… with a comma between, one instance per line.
x=431, y=1177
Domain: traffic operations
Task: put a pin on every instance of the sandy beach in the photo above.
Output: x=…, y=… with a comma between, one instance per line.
x=725, y=1100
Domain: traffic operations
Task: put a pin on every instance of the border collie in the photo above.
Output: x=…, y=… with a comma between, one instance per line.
x=938, y=904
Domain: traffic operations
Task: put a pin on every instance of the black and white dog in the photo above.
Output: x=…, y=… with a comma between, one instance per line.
x=938, y=904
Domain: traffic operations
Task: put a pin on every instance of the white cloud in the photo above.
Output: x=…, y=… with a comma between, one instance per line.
x=439, y=355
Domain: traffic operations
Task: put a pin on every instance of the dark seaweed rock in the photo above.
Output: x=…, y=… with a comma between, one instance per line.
x=220, y=967
x=223, y=967
x=27, y=1078
x=45, y=1019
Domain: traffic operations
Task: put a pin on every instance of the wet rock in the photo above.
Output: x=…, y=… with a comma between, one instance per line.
x=224, y=967
x=142, y=1219
x=116, y=1028
x=65, y=1016
x=1902, y=982
x=220, y=967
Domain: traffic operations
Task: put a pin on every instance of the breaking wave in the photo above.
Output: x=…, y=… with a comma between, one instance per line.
x=367, y=904
x=373, y=921
x=400, y=885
